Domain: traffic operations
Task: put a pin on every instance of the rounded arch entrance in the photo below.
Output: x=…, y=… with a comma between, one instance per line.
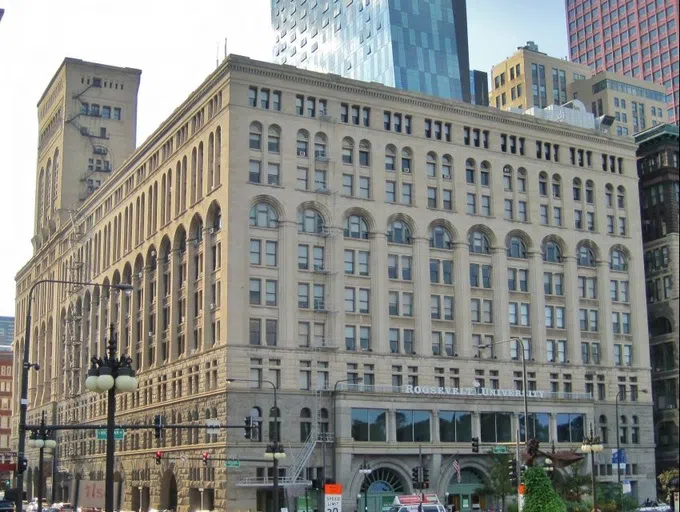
x=168, y=491
x=469, y=491
x=379, y=488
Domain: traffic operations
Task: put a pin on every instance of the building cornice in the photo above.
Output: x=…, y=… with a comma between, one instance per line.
x=489, y=114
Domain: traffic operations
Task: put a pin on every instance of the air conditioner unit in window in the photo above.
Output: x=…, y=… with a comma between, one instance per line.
x=212, y=306
x=406, y=170
x=302, y=153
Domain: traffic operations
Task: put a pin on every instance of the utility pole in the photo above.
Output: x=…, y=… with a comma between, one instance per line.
x=421, y=477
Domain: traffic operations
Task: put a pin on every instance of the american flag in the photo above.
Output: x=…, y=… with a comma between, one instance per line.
x=456, y=469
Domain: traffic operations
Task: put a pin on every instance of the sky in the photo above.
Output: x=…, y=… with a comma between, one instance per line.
x=175, y=43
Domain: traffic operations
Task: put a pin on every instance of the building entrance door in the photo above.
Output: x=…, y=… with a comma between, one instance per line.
x=464, y=495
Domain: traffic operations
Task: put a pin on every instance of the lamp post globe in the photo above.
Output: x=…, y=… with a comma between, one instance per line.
x=91, y=383
x=51, y=444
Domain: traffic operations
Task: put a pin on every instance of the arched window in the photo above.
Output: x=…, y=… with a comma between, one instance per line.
x=507, y=178
x=310, y=221
x=604, y=431
x=320, y=143
x=305, y=424
x=263, y=215
x=556, y=186
x=274, y=423
x=479, y=243
x=620, y=197
x=485, y=174
x=274, y=139
x=586, y=256
x=302, y=144
x=470, y=171
x=552, y=252
x=365, y=153
x=447, y=167
x=660, y=326
x=623, y=430
x=356, y=227
x=590, y=192
x=323, y=420
x=440, y=238
x=431, y=165
x=617, y=261
x=516, y=248
x=609, y=196
x=521, y=180
x=390, y=158
x=543, y=184
x=576, y=187
x=399, y=233
x=347, y=150
x=255, y=137
x=406, y=160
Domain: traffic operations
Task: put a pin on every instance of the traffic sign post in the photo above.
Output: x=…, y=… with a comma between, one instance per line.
x=118, y=434
x=333, y=498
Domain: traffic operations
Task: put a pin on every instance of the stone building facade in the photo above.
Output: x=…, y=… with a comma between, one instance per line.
x=361, y=248
x=658, y=158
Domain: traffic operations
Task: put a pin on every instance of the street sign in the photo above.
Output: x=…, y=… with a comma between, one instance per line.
x=233, y=463
x=118, y=434
x=333, y=503
x=500, y=449
x=212, y=423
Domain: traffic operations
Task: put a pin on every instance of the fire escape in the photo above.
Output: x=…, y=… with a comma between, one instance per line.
x=92, y=137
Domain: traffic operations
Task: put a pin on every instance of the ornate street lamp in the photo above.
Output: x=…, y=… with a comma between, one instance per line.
x=108, y=375
x=592, y=445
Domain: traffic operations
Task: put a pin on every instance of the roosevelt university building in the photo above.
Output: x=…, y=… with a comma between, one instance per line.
x=360, y=247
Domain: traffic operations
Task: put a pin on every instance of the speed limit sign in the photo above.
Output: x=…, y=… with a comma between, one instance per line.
x=333, y=502
x=333, y=493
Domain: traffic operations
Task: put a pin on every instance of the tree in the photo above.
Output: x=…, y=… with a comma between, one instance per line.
x=573, y=484
x=499, y=485
x=539, y=494
x=665, y=479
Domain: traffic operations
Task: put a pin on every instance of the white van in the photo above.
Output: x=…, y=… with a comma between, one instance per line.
x=412, y=503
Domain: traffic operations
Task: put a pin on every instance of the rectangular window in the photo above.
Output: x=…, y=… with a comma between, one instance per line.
x=495, y=427
x=570, y=428
x=369, y=425
x=412, y=426
x=455, y=426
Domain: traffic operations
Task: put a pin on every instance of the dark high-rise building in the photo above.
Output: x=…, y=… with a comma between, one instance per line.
x=418, y=46
x=659, y=175
x=479, y=87
x=631, y=38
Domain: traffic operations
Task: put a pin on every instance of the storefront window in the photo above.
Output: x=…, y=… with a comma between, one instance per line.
x=570, y=428
x=496, y=427
x=413, y=426
x=369, y=425
x=539, y=426
x=455, y=426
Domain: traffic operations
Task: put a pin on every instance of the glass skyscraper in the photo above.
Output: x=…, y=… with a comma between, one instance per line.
x=416, y=45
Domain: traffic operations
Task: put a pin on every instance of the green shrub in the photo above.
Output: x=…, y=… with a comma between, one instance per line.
x=540, y=496
x=513, y=507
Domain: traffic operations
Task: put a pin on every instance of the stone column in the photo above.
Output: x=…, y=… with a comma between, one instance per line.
x=637, y=298
x=335, y=287
x=379, y=291
x=537, y=305
x=190, y=288
x=461, y=269
x=501, y=297
x=421, y=298
x=605, y=313
x=570, y=286
x=174, y=263
x=287, y=282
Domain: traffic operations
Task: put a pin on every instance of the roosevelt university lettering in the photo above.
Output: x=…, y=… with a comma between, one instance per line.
x=433, y=390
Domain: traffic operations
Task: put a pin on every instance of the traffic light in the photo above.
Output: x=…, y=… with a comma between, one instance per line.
x=415, y=477
x=158, y=426
x=512, y=471
x=426, y=478
x=159, y=456
x=248, y=428
x=206, y=457
x=23, y=465
x=475, y=445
